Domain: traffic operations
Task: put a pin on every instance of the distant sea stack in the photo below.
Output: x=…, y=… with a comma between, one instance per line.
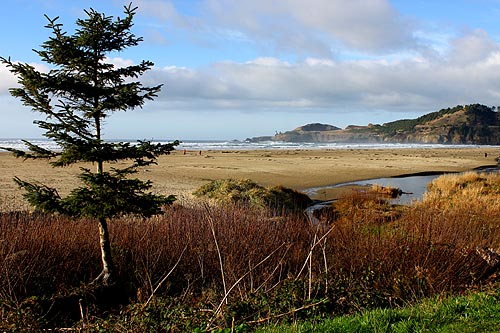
x=470, y=124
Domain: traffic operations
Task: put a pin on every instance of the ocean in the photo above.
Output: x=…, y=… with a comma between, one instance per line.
x=242, y=145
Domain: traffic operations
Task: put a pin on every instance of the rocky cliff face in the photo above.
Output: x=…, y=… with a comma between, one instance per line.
x=470, y=124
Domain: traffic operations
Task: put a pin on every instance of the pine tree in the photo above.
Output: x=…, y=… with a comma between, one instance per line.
x=76, y=95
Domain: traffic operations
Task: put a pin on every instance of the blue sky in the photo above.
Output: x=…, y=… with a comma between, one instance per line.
x=234, y=69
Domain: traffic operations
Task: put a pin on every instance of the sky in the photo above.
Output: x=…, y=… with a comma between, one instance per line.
x=234, y=69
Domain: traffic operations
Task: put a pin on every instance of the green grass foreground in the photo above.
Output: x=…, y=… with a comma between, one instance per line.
x=475, y=313
x=206, y=266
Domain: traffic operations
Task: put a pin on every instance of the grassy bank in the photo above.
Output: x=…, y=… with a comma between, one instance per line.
x=204, y=266
x=474, y=313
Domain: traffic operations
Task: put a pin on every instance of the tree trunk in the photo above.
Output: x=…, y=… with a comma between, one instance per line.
x=107, y=275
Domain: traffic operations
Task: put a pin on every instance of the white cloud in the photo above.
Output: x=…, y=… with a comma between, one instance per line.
x=319, y=62
x=314, y=27
x=362, y=24
x=467, y=74
x=317, y=25
x=119, y=62
x=473, y=47
x=268, y=61
x=7, y=80
x=166, y=12
x=162, y=9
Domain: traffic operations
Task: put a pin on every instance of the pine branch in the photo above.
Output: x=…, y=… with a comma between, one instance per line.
x=79, y=91
x=34, y=152
x=42, y=197
x=111, y=194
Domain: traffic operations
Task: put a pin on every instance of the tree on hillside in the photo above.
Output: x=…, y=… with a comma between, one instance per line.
x=76, y=95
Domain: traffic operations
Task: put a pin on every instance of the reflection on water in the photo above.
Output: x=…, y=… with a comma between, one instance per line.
x=413, y=186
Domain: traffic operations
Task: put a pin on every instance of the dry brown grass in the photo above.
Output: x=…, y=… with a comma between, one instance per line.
x=391, y=192
x=467, y=191
x=363, y=259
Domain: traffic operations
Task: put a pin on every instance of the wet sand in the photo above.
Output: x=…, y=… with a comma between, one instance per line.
x=181, y=173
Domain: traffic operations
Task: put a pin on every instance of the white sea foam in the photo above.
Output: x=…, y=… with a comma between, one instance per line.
x=242, y=145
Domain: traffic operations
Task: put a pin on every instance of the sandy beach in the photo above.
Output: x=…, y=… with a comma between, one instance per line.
x=180, y=173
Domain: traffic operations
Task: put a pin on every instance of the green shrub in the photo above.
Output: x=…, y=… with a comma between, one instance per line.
x=248, y=191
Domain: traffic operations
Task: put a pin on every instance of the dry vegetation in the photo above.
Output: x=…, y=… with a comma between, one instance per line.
x=391, y=192
x=470, y=189
x=226, y=191
x=229, y=265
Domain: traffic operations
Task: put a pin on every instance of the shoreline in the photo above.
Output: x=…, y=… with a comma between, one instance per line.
x=181, y=173
x=331, y=192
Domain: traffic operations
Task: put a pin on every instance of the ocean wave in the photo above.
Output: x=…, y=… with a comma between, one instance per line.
x=242, y=145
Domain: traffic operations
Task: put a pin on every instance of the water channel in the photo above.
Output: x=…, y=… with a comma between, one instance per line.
x=413, y=186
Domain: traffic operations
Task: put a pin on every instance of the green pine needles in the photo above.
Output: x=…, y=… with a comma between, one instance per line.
x=79, y=91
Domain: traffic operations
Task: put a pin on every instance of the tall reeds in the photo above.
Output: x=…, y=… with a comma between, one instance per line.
x=229, y=256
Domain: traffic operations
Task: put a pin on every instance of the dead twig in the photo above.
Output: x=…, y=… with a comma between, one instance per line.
x=286, y=313
x=164, y=278
x=224, y=299
x=315, y=243
x=212, y=229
